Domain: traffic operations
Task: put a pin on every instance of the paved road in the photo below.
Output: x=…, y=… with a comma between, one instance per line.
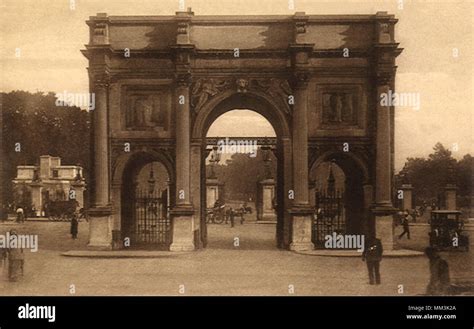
x=255, y=267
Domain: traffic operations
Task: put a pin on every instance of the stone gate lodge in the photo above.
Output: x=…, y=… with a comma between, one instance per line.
x=161, y=81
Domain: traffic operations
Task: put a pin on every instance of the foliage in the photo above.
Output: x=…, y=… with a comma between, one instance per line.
x=41, y=128
x=429, y=176
x=241, y=175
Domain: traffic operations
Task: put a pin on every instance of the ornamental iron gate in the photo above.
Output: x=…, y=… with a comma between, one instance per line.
x=329, y=215
x=152, y=222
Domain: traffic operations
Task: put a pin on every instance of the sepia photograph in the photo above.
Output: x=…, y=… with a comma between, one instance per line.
x=237, y=148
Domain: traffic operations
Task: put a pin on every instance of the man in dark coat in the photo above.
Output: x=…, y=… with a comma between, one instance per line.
x=74, y=226
x=439, y=274
x=406, y=225
x=372, y=255
x=231, y=216
x=16, y=260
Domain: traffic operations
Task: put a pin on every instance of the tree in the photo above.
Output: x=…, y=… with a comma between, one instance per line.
x=241, y=174
x=429, y=176
x=33, y=126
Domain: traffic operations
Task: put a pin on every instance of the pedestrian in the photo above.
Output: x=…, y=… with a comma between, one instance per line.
x=414, y=215
x=226, y=214
x=3, y=256
x=16, y=260
x=74, y=226
x=439, y=283
x=406, y=225
x=372, y=255
x=231, y=216
x=20, y=215
x=242, y=218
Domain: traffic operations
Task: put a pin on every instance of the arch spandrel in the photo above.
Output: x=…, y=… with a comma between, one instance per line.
x=264, y=96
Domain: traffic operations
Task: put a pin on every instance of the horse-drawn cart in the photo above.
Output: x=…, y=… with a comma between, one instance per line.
x=62, y=210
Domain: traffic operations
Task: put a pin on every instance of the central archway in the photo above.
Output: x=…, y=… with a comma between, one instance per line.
x=263, y=105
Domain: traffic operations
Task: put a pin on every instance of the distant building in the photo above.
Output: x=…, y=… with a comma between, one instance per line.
x=35, y=186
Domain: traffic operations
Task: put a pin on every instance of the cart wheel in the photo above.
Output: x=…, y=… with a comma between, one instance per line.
x=218, y=219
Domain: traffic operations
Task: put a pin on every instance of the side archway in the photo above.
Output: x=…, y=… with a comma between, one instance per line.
x=124, y=183
x=352, y=177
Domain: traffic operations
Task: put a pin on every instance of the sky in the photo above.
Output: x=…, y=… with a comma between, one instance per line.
x=49, y=35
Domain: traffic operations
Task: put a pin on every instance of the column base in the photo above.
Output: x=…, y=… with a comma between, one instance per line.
x=384, y=226
x=301, y=217
x=182, y=228
x=100, y=228
x=268, y=217
x=182, y=247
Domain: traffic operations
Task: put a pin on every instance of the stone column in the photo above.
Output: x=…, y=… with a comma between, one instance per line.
x=285, y=184
x=301, y=210
x=212, y=192
x=471, y=212
x=383, y=209
x=407, y=202
x=100, y=234
x=384, y=54
x=182, y=214
x=37, y=197
x=312, y=193
x=368, y=196
x=79, y=188
x=183, y=146
x=265, y=210
x=383, y=187
x=367, y=222
x=3, y=206
x=450, y=196
x=196, y=191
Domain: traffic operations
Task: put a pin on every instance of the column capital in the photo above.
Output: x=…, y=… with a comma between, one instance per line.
x=183, y=79
x=385, y=77
x=182, y=58
x=450, y=187
x=406, y=187
x=300, y=79
x=183, y=52
x=101, y=82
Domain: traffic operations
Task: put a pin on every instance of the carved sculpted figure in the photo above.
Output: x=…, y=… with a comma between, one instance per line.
x=204, y=89
x=143, y=113
x=338, y=108
x=146, y=112
x=278, y=89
